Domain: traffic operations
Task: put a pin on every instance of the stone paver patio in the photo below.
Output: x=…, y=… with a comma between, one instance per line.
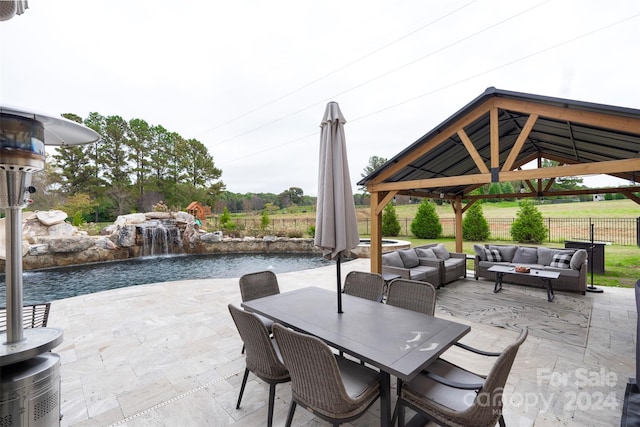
x=168, y=354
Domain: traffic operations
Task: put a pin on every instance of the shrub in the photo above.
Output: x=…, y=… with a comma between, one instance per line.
x=293, y=234
x=311, y=230
x=225, y=217
x=264, y=220
x=474, y=225
x=78, y=219
x=426, y=224
x=390, y=224
x=528, y=226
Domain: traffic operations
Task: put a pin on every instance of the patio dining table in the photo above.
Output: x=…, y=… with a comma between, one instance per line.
x=398, y=342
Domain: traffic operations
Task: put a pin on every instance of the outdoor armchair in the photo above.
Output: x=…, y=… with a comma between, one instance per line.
x=262, y=355
x=257, y=285
x=336, y=389
x=412, y=295
x=364, y=285
x=453, y=396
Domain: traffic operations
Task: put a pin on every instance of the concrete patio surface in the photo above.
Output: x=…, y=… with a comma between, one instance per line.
x=168, y=354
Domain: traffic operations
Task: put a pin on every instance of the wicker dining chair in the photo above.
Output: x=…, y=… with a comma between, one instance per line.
x=257, y=285
x=364, y=285
x=262, y=355
x=33, y=316
x=335, y=389
x=453, y=396
x=412, y=295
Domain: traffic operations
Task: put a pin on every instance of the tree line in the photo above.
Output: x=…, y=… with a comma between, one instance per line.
x=136, y=165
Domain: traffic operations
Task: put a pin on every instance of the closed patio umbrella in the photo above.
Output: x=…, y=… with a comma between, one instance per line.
x=336, y=224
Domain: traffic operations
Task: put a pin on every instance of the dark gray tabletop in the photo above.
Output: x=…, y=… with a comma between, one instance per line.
x=397, y=341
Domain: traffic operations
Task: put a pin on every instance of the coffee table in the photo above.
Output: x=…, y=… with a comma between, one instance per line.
x=543, y=275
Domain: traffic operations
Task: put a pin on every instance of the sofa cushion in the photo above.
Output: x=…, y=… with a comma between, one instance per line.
x=426, y=253
x=441, y=252
x=561, y=261
x=525, y=255
x=488, y=264
x=479, y=250
x=545, y=255
x=578, y=259
x=564, y=272
x=506, y=251
x=427, y=270
x=392, y=259
x=493, y=255
x=454, y=262
x=416, y=274
x=409, y=258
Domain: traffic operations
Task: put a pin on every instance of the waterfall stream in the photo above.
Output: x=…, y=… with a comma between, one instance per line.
x=160, y=237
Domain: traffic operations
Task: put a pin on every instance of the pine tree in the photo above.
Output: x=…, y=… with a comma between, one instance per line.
x=474, y=225
x=528, y=226
x=426, y=224
x=390, y=225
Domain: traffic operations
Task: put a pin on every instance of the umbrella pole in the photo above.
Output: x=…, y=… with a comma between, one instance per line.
x=339, y=281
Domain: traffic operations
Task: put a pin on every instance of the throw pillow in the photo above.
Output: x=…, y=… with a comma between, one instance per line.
x=426, y=253
x=525, y=255
x=392, y=259
x=480, y=251
x=409, y=258
x=578, y=259
x=441, y=252
x=545, y=255
x=561, y=261
x=506, y=251
x=493, y=255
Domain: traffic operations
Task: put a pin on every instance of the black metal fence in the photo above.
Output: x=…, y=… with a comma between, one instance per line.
x=618, y=231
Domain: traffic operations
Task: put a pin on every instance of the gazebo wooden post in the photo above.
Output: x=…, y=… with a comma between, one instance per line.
x=457, y=208
x=376, y=233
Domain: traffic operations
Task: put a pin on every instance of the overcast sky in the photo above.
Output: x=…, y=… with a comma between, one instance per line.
x=250, y=79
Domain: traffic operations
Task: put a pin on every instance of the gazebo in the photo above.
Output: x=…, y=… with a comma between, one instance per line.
x=493, y=138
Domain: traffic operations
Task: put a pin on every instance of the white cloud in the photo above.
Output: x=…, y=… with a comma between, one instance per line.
x=201, y=68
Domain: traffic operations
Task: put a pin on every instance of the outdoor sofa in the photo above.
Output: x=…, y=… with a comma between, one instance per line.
x=431, y=263
x=570, y=263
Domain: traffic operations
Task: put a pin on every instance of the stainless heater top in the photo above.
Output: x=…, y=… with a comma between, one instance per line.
x=23, y=135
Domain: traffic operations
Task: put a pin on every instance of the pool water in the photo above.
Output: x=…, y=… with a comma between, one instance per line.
x=65, y=282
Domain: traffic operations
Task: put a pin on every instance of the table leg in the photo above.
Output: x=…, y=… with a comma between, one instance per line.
x=385, y=399
x=498, y=286
x=547, y=284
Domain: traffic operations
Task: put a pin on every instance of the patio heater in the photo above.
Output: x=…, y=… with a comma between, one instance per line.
x=29, y=372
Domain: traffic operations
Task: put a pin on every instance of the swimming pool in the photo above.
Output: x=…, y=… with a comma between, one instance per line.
x=59, y=283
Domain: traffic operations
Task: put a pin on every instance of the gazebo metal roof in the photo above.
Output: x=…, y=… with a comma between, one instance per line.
x=563, y=130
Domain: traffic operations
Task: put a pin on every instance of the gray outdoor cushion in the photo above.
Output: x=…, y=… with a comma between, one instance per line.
x=441, y=252
x=392, y=259
x=578, y=259
x=525, y=255
x=487, y=264
x=479, y=250
x=453, y=262
x=545, y=255
x=506, y=251
x=426, y=253
x=409, y=258
x=566, y=272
